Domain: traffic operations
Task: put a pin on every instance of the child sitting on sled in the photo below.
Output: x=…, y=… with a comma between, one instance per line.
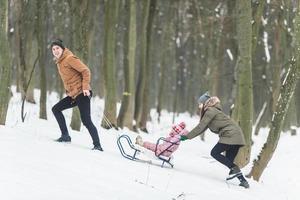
x=170, y=144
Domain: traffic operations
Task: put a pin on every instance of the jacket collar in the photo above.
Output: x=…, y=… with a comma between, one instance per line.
x=211, y=102
x=64, y=55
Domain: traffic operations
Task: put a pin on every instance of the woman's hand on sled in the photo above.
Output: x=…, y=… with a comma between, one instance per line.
x=183, y=138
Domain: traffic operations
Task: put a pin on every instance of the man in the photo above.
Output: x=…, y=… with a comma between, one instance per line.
x=76, y=78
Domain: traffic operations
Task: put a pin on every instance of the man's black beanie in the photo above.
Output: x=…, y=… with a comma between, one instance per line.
x=58, y=42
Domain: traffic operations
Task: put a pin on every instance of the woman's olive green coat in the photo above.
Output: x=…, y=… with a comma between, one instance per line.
x=229, y=132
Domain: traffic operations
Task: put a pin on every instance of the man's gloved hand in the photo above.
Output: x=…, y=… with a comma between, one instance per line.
x=183, y=138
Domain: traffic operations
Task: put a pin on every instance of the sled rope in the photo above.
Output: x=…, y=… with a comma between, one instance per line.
x=107, y=121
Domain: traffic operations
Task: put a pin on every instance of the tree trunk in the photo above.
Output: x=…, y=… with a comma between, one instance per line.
x=284, y=99
x=30, y=54
x=42, y=41
x=297, y=100
x=259, y=8
x=146, y=95
x=75, y=120
x=244, y=98
x=125, y=117
x=217, y=57
x=80, y=43
x=276, y=69
x=257, y=124
x=166, y=61
x=142, y=77
x=19, y=47
x=110, y=20
x=165, y=46
x=178, y=57
x=25, y=51
x=5, y=68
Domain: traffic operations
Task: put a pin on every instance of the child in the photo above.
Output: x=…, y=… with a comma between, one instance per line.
x=170, y=144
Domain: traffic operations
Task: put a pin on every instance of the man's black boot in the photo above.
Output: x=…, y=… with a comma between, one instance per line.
x=97, y=147
x=64, y=138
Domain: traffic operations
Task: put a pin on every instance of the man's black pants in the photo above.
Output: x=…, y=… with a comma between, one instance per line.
x=84, y=105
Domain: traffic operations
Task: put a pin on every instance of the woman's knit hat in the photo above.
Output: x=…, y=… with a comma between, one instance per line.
x=176, y=129
x=203, y=98
x=182, y=125
x=58, y=42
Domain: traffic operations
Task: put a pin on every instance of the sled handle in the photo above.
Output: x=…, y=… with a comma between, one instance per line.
x=160, y=156
x=124, y=154
x=163, y=139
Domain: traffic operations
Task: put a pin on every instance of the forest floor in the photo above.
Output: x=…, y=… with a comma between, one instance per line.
x=34, y=167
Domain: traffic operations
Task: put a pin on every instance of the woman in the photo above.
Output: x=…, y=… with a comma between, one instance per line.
x=76, y=79
x=230, y=134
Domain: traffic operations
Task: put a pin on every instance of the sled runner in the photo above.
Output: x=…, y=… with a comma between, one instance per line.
x=129, y=151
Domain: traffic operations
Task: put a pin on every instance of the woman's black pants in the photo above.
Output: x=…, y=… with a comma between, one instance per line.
x=230, y=153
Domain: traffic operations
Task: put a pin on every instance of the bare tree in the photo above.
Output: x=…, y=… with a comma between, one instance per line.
x=142, y=109
x=41, y=30
x=79, y=24
x=5, y=67
x=125, y=117
x=244, y=99
x=285, y=96
x=111, y=10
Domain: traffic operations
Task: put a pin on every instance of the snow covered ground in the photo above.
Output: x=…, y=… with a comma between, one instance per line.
x=34, y=167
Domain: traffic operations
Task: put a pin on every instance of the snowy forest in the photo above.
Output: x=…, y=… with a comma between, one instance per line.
x=161, y=54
